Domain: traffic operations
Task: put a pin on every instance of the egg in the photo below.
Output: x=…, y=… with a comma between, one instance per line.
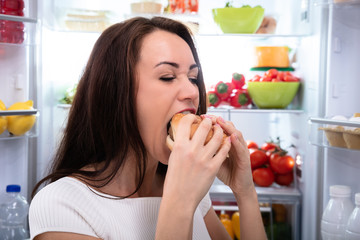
x=339, y=118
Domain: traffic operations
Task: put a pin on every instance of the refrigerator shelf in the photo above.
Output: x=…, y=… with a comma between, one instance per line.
x=18, y=112
x=17, y=18
x=268, y=194
x=229, y=110
x=235, y=208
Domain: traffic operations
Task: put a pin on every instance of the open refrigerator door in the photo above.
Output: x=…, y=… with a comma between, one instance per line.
x=19, y=73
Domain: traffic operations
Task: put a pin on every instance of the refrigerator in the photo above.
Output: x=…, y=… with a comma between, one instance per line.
x=323, y=36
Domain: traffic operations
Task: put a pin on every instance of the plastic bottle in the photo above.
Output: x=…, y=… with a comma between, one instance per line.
x=336, y=213
x=13, y=214
x=353, y=226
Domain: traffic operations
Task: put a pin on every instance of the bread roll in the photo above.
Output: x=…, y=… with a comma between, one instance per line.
x=174, y=126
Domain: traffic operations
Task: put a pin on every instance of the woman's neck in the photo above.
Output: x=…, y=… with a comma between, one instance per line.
x=126, y=179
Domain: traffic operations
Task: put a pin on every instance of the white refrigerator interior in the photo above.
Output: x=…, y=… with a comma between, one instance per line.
x=324, y=40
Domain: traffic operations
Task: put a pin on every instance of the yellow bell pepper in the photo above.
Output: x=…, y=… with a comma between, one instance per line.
x=235, y=220
x=225, y=220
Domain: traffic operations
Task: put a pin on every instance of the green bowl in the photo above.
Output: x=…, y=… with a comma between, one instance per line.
x=272, y=94
x=238, y=20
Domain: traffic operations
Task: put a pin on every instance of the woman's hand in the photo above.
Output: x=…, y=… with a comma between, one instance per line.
x=192, y=165
x=235, y=170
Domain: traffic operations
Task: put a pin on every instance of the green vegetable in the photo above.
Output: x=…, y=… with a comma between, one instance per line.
x=69, y=95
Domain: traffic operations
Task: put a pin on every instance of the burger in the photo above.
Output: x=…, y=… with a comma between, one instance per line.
x=173, y=127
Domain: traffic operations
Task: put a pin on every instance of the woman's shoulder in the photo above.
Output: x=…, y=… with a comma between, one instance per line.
x=66, y=189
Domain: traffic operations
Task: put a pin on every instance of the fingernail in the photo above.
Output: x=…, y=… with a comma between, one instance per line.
x=205, y=116
x=236, y=137
x=221, y=119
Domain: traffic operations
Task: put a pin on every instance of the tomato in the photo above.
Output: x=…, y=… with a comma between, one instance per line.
x=280, y=76
x=263, y=177
x=290, y=79
x=270, y=152
x=269, y=146
x=271, y=73
x=265, y=79
x=284, y=179
x=256, y=78
x=275, y=80
x=251, y=144
x=281, y=164
x=257, y=158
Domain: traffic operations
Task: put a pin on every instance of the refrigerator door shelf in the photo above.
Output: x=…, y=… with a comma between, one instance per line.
x=33, y=132
x=17, y=18
x=18, y=112
x=336, y=134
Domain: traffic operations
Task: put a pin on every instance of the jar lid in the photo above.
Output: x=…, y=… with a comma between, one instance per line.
x=340, y=191
x=357, y=198
x=13, y=188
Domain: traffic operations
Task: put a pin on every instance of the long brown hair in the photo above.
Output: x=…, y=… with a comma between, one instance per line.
x=102, y=123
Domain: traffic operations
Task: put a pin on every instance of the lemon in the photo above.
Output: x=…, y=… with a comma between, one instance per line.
x=3, y=120
x=20, y=124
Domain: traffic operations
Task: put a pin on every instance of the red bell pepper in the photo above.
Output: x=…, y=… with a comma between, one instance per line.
x=223, y=90
x=213, y=98
x=240, y=98
x=238, y=80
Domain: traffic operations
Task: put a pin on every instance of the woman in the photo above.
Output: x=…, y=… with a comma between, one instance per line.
x=108, y=179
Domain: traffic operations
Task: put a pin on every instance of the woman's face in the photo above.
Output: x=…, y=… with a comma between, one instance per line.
x=166, y=74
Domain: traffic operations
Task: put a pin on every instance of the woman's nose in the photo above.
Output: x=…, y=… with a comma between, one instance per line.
x=188, y=89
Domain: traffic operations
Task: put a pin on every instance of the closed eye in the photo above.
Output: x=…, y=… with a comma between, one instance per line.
x=167, y=79
x=193, y=80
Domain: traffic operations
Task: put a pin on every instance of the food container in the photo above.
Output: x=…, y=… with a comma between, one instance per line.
x=335, y=136
x=146, y=7
x=86, y=20
x=238, y=20
x=272, y=56
x=272, y=94
x=352, y=139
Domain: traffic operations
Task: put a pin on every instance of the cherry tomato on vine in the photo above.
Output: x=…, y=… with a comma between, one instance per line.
x=281, y=164
x=269, y=145
x=257, y=158
x=284, y=179
x=251, y=144
x=263, y=177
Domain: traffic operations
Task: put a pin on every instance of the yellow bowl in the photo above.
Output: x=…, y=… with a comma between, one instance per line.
x=238, y=20
x=272, y=94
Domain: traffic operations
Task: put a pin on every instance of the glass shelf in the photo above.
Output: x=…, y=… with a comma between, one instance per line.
x=17, y=18
x=274, y=193
x=254, y=110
